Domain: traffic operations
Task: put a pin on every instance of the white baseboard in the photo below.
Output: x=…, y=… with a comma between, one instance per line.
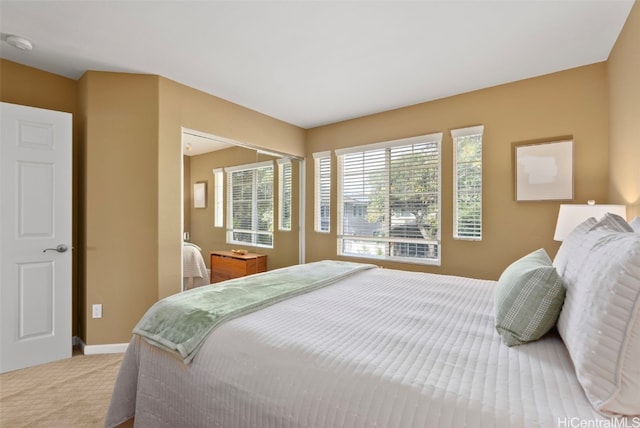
x=113, y=348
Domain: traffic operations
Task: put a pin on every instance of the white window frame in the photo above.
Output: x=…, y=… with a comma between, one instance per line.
x=254, y=229
x=322, y=192
x=437, y=242
x=218, y=197
x=459, y=231
x=285, y=191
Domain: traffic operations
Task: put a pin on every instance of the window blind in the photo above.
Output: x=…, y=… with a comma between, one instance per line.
x=284, y=194
x=322, y=191
x=389, y=200
x=250, y=204
x=467, y=186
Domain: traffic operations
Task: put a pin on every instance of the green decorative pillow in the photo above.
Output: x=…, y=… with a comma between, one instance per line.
x=528, y=299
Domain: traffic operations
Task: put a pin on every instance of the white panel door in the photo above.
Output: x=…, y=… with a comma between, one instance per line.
x=35, y=236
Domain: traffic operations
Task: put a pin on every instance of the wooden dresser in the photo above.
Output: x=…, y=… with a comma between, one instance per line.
x=227, y=265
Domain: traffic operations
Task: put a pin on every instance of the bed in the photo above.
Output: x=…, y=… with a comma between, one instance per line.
x=194, y=269
x=388, y=348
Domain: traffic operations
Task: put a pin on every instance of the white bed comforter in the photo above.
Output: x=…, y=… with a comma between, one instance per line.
x=383, y=348
x=193, y=266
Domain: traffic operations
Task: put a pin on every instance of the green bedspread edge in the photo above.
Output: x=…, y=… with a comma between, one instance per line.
x=180, y=323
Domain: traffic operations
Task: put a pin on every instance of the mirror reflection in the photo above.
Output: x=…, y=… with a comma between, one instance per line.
x=240, y=210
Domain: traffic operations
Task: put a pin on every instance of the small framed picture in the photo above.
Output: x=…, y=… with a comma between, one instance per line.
x=544, y=170
x=200, y=195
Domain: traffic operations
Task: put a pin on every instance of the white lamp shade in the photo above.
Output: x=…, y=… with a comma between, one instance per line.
x=571, y=215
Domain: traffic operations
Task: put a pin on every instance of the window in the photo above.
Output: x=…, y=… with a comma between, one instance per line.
x=467, y=183
x=218, y=198
x=250, y=204
x=322, y=216
x=389, y=200
x=284, y=194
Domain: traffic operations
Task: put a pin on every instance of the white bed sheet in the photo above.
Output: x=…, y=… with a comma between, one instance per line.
x=383, y=348
x=194, y=269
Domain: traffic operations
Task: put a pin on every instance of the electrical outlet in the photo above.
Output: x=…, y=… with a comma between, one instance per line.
x=97, y=310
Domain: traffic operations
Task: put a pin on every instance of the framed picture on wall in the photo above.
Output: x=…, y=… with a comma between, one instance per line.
x=544, y=170
x=200, y=195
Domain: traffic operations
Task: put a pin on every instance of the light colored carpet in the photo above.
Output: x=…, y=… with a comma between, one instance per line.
x=70, y=393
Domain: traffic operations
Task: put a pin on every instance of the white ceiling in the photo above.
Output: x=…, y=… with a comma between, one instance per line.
x=311, y=63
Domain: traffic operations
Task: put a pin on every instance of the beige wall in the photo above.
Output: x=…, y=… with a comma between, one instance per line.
x=285, y=250
x=120, y=201
x=623, y=69
x=133, y=194
x=127, y=131
x=128, y=175
x=572, y=102
x=181, y=106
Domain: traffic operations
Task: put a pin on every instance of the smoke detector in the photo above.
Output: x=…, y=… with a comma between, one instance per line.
x=20, y=43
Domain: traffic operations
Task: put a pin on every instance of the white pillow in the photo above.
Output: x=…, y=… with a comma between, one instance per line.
x=635, y=224
x=573, y=252
x=600, y=320
x=614, y=223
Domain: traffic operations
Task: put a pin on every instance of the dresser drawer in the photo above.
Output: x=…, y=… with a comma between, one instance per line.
x=218, y=277
x=227, y=265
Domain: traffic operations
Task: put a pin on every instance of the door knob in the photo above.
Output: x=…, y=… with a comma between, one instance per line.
x=60, y=248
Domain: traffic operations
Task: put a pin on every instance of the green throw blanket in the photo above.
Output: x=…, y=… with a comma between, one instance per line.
x=181, y=322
